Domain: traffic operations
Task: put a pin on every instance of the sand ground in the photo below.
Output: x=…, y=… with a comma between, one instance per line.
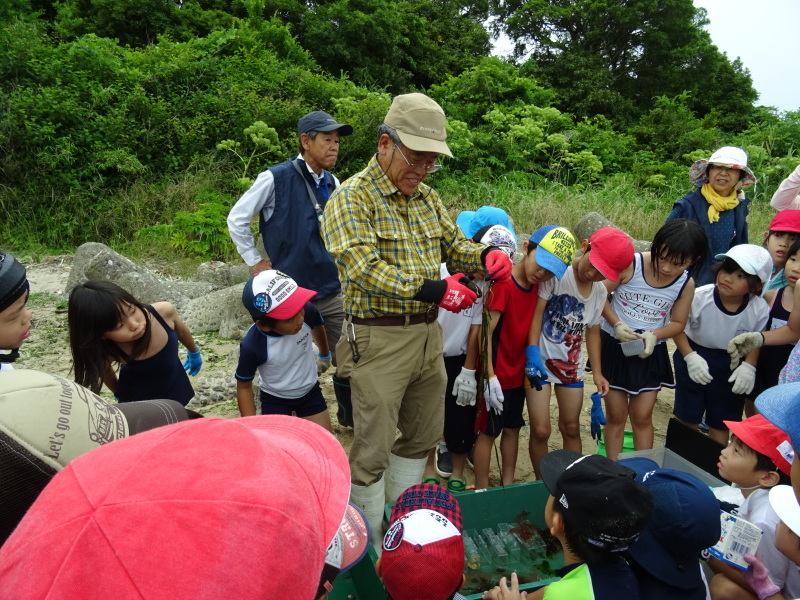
x=47, y=350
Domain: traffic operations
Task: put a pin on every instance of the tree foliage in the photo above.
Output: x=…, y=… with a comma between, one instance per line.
x=615, y=58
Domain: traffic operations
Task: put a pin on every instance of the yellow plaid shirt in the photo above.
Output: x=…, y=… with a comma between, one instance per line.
x=385, y=243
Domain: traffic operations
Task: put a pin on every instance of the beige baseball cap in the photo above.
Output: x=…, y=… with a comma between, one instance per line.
x=420, y=123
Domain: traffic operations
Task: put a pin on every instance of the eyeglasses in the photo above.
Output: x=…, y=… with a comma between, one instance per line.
x=429, y=166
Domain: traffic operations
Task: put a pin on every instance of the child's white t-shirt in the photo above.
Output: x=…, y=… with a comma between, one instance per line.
x=455, y=326
x=712, y=326
x=757, y=509
x=566, y=317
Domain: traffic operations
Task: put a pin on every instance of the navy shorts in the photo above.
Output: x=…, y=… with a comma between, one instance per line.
x=715, y=400
x=511, y=417
x=312, y=403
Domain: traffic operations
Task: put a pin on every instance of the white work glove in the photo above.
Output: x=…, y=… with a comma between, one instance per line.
x=465, y=388
x=493, y=394
x=625, y=333
x=649, y=344
x=743, y=378
x=743, y=344
x=323, y=363
x=698, y=368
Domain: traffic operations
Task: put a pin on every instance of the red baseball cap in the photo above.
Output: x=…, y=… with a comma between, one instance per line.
x=762, y=436
x=275, y=295
x=786, y=220
x=423, y=551
x=611, y=252
x=204, y=509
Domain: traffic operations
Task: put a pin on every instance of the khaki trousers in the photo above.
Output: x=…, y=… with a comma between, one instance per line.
x=398, y=382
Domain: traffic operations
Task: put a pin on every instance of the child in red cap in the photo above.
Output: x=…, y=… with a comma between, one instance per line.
x=758, y=458
x=278, y=346
x=570, y=311
x=423, y=551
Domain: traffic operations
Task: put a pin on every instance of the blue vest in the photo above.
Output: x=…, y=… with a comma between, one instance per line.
x=291, y=236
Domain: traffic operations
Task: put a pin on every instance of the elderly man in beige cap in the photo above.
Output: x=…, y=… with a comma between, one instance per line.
x=388, y=233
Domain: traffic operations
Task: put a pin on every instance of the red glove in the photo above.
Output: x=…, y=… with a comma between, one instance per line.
x=498, y=265
x=457, y=296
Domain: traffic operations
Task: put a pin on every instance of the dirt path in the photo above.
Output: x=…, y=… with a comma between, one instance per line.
x=47, y=350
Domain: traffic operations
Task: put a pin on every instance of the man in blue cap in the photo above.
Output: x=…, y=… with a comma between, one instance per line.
x=289, y=199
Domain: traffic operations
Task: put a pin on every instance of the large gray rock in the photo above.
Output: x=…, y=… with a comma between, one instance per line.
x=593, y=221
x=98, y=261
x=221, y=310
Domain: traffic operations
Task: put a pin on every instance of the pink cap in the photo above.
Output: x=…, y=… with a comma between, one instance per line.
x=423, y=551
x=209, y=508
x=275, y=295
x=762, y=436
x=786, y=220
x=611, y=252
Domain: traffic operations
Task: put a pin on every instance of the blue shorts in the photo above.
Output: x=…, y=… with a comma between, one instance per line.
x=511, y=417
x=312, y=403
x=715, y=400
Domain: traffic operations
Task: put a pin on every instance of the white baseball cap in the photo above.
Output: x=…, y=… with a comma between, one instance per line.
x=752, y=259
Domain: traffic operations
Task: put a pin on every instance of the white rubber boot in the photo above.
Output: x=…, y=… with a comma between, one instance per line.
x=370, y=499
x=402, y=474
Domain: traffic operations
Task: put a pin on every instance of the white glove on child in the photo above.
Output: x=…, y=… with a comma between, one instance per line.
x=743, y=378
x=625, y=333
x=465, y=388
x=743, y=344
x=493, y=394
x=698, y=368
x=649, y=344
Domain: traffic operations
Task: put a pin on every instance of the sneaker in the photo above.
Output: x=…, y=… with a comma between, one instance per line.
x=443, y=462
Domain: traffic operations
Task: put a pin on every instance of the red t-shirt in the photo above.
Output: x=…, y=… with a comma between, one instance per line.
x=510, y=338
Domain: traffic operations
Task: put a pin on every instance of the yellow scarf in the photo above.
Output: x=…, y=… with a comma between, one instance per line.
x=717, y=203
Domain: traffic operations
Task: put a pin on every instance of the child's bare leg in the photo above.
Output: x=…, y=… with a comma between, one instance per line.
x=509, y=446
x=570, y=402
x=539, y=417
x=721, y=435
x=616, y=402
x=321, y=418
x=480, y=460
x=459, y=460
x=430, y=469
x=640, y=411
x=723, y=588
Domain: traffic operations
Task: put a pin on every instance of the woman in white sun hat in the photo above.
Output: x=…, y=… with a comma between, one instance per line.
x=718, y=204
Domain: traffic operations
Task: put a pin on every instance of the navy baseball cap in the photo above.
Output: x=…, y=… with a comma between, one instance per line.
x=321, y=121
x=685, y=522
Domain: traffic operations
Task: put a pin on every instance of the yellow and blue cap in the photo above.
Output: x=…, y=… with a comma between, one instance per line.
x=555, y=248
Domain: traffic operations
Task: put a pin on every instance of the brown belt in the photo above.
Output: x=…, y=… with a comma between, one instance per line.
x=397, y=320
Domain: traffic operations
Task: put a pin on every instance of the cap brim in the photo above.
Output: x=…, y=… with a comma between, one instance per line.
x=423, y=144
x=553, y=464
x=548, y=260
x=603, y=268
x=779, y=405
x=784, y=502
x=650, y=555
x=464, y=221
x=342, y=128
x=292, y=305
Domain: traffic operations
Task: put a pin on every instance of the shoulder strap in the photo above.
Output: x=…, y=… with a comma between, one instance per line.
x=312, y=197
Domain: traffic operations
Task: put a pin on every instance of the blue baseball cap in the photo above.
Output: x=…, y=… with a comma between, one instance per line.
x=685, y=521
x=781, y=405
x=471, y=221
x=555, y=248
